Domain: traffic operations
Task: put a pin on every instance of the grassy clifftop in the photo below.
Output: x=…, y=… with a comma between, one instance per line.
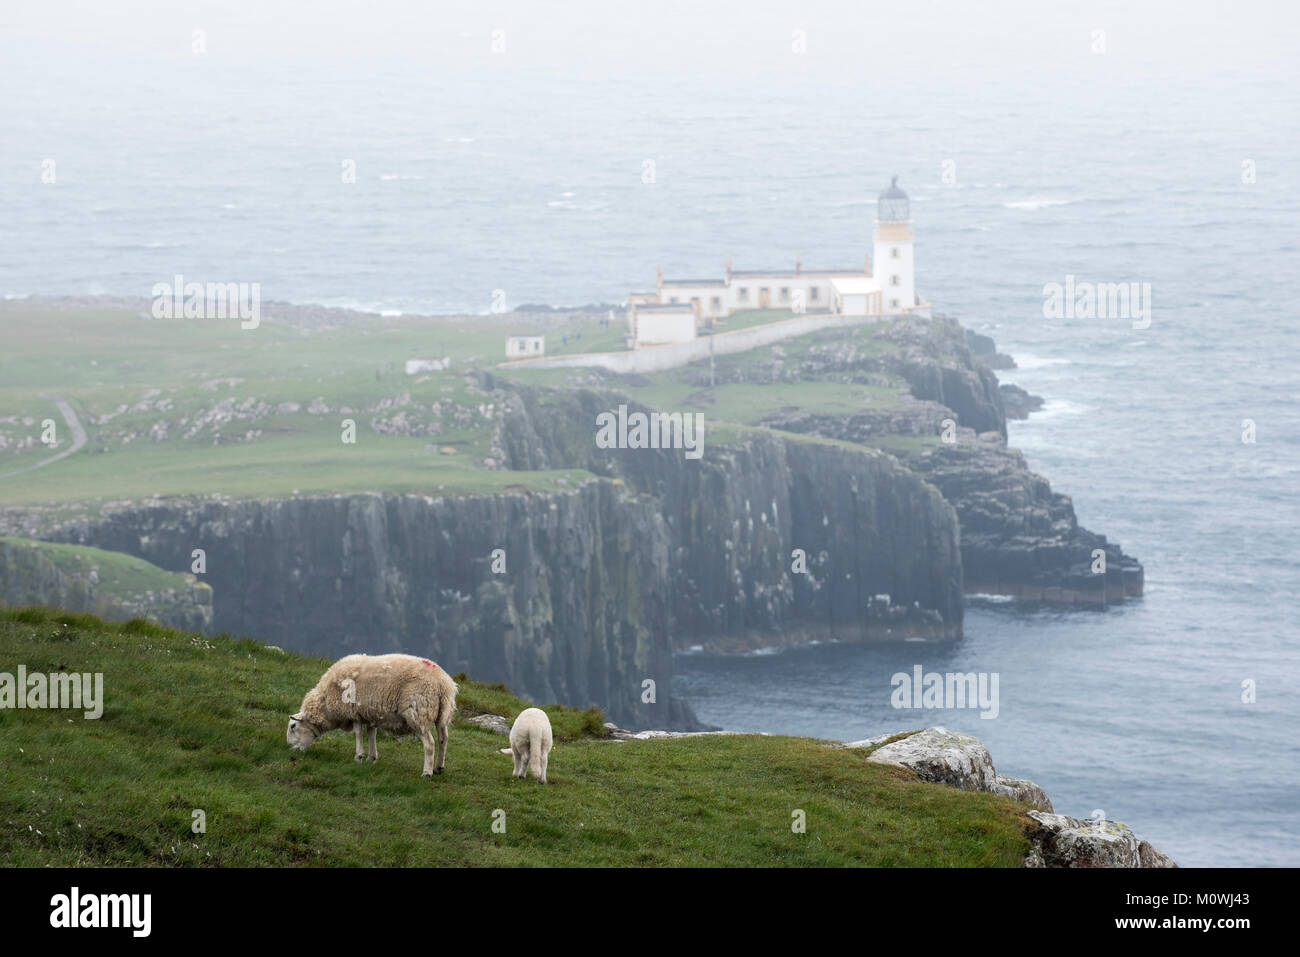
x=193, y=723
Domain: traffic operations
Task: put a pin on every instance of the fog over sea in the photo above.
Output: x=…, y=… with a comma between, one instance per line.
x=523, y=171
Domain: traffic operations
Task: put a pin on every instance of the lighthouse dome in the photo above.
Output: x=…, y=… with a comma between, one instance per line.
x=893, y=205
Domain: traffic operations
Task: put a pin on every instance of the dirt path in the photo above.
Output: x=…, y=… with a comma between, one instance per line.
x=78, y=438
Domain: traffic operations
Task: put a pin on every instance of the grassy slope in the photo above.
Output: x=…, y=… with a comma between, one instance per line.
x=220, y=391
x=199, y=723
x=121, y=576
x=123, y=375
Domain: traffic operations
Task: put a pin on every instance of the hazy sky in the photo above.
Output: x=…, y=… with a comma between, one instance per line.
x=665, y=37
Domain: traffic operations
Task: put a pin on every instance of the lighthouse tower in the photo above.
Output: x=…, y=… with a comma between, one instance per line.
x=892, y=252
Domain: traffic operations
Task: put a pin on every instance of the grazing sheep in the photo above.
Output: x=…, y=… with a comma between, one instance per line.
x=530, y=743
x=401, y=694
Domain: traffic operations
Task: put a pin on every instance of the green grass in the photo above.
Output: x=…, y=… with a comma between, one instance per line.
x=121, y=576
x=194, y=407
x=193, y=723
x=201, y=407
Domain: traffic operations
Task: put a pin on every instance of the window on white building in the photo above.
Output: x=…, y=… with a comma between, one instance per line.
x=815, y=294
x=893, y=280
x=893, y=304
x=893, y=251
x=785, y=293
x=744, y=294
x=715, y=303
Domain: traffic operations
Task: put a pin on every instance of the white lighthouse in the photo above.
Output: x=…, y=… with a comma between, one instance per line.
x=892, y=258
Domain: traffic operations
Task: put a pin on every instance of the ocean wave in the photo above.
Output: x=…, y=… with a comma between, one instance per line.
x=1054, y=407
x=1037, y=203
x=1027, y=362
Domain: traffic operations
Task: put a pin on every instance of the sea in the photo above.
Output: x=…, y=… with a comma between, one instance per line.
x=400, y=165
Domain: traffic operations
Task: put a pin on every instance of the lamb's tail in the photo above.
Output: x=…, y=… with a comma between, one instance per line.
x=535, y=752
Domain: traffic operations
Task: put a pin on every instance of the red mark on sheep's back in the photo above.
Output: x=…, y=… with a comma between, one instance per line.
x=431, y=664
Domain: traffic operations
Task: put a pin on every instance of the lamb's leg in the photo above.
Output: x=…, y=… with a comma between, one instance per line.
x=519, y=763
x=544, y=757
x=374, y=748
x=442, y=747
x=357, y=726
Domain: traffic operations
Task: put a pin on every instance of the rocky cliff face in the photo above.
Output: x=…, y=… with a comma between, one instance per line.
x=600, y=584
x=577, y=614
x=880, y=546
x=1020, y=538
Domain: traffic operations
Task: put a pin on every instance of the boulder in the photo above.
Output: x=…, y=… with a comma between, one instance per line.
x=1062, y=841
x=490, y=722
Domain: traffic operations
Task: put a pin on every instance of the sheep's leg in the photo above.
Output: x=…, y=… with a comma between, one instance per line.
x=357, y=726
x=429, y=747
x=442, y=747
x=544, y=757
x=519, y=763
x=374, y=748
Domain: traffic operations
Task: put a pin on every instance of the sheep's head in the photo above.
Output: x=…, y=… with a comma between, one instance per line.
x=302, y=734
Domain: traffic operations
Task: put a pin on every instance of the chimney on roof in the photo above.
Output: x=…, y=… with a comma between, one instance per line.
x=659, y=277
x=728, y=269
x=866, y=264
x=798, y=265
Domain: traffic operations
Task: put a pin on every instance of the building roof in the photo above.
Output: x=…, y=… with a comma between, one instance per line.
x=528, y=335
x=695, y=282
x=785, y=274
x=666, y=307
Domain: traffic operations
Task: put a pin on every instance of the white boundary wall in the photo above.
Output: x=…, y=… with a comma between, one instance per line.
x=659, y=358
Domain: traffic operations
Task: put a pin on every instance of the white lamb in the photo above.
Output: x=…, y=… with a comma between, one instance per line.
x=530, y=743
x=401, y=694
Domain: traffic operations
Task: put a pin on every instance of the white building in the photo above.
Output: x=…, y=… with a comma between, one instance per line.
x=889, y=291
x=660, y=324
x=525, y=347
x=855, y=295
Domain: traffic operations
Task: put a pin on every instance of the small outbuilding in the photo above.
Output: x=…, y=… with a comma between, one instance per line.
x=855, y=295
x=525, y=347
x=657, y=325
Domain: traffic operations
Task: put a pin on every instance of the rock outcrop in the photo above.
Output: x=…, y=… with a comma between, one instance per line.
x=30, y=576
x=961, y=761
x=958, y=760
x=1020, y=538
x=1018, y=403
x=1061, y=841
x=881, y=546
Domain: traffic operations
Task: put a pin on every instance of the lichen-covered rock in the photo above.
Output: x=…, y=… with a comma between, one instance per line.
x=1062, y=841
x=490, y=722
x=1148, y=856
x=958, y=760
x=942, y=756
x=1026, y=792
